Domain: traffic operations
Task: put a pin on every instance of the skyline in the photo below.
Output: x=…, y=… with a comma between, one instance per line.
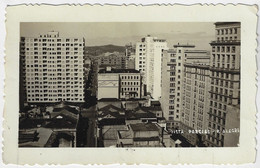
x=197, y=33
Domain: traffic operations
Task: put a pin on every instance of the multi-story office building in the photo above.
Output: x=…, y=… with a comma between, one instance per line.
x=174, y=81
x=224, y=110
x=116, y=60
x=119, y=83
x=195, y=102
x=52, y=68
x=149, y=62
x=130, y=56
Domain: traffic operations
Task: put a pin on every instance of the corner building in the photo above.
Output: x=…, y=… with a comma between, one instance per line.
x=52, y=68
x=224, y=105
x=119, y=84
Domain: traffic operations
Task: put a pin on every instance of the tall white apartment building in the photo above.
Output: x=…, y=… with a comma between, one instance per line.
x=149, y=62
x=52, y=68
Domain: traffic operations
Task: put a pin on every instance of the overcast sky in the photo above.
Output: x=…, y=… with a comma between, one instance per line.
x=121, y=33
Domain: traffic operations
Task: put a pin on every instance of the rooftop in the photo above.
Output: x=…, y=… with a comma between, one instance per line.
x=111, y=121
x=66, y=108
x=118, y=71
x=226, y=23
x=197, y=51
x=184, y=45
x=111, y=110
x=125, y=134
x=184, y=142
x=63, y=121
x=144, y=127
x=140, y=112
x=35, y=140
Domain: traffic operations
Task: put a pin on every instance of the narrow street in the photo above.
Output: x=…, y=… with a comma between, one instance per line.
x=91, y=130
x=88, y=114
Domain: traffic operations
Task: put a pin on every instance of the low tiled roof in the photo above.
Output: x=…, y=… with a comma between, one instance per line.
x=184, y=142
x=40, y=139
x=112, y=121
x=111, y=110
x=68, y=108
x=138, y=113
x=62, y=121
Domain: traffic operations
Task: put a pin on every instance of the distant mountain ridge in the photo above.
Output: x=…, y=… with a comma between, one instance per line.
x=97, y=50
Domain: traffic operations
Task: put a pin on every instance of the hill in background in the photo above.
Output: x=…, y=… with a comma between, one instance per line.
x=97, y=50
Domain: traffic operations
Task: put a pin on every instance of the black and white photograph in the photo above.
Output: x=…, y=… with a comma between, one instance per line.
x=129, y=84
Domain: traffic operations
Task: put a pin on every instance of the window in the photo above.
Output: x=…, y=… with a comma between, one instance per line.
x=235, y=30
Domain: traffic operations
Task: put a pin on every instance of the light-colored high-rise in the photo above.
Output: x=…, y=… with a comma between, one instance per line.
x=224, y=110
x=52, y=68
x=149, y=62
x=175, y=86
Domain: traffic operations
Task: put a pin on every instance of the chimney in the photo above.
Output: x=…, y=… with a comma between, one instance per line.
x=108, y=69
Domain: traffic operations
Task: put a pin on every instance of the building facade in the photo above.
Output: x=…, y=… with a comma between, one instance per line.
x=172, y=83
x=224, y=110
x=195, y=102
x=116, y=60
x=149, y=62
x=119, y=84
x=52, y=68
x=130, y=56
x=176, y=88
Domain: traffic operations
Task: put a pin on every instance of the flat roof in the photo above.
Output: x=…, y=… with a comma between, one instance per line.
x=119, y=71
x=184, y=46
x=226, y=23
x=144, y=127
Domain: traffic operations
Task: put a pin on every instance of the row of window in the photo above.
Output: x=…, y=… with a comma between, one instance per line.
x=227, y=31
x=123, y=89
x=224, y=49
x=67, y=88
x=57, y=85
x=53, y=53
x=54, y=100
x=50, y=47
x=58, y=74
x=223, y=75
x=130, y=83
x=224, y=83
x=230, y=38
x=54, y=95
x=129, y=77
x=52, y=38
